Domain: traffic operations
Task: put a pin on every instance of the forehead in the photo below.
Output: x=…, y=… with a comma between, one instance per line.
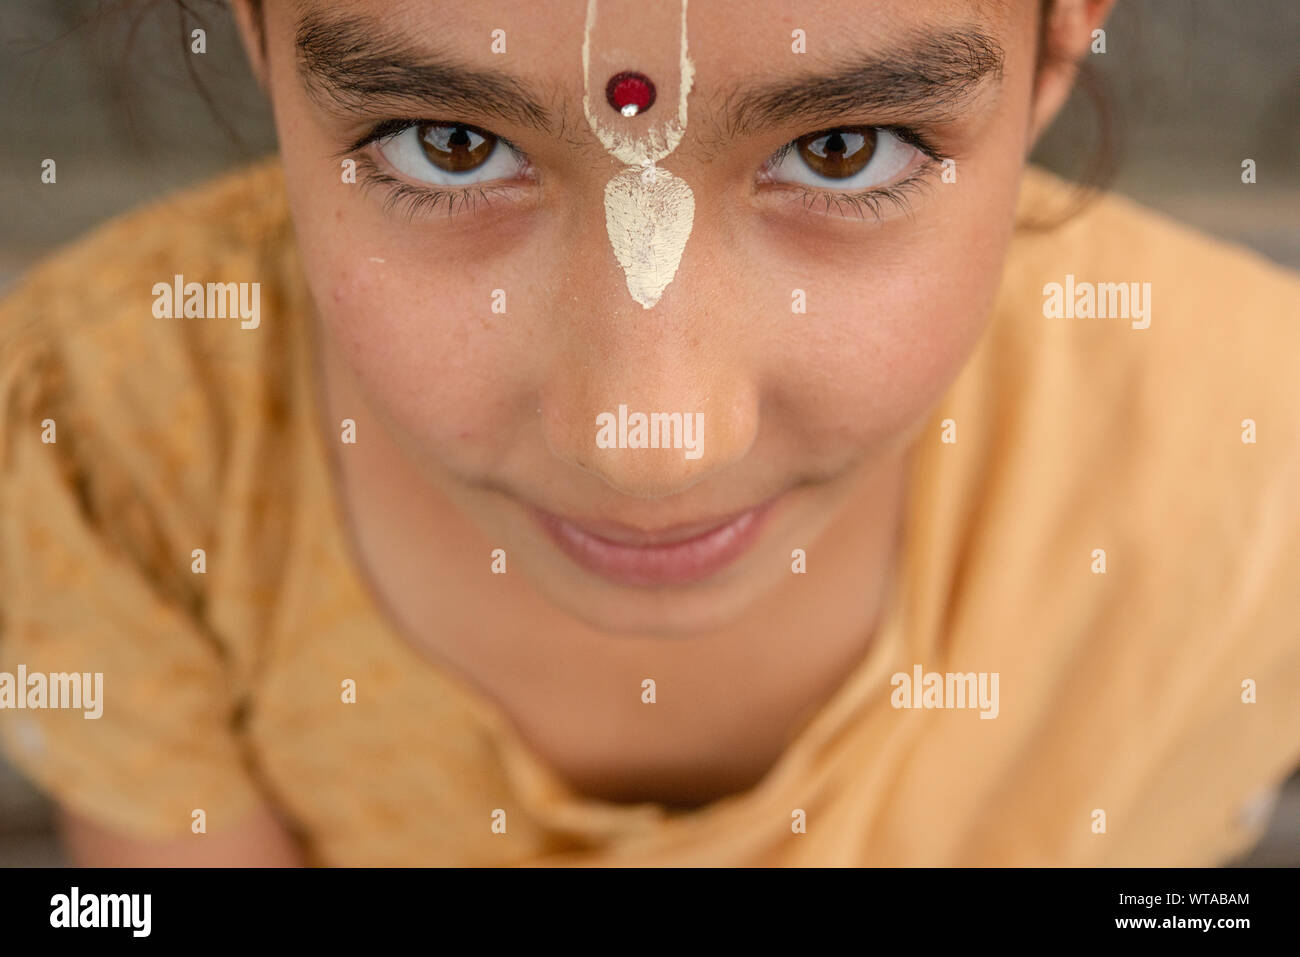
x=730, y=40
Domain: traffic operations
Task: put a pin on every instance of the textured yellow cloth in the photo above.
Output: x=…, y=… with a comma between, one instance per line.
x=1119, y=692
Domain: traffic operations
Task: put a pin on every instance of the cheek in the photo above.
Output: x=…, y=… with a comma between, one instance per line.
x=409, y=305
x=896, y=332
x=423, y=344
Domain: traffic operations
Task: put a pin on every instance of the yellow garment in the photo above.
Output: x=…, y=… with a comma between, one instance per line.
x=1120, y=692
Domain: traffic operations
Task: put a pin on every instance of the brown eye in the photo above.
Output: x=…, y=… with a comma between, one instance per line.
x=838, y=154
x=454, y=147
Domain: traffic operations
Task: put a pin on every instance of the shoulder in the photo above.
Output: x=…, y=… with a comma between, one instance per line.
x=1202, y=290
x=1156, y=348
x=1116, y=525
x=142, y=406
x=131, y=435
x=1138, y=380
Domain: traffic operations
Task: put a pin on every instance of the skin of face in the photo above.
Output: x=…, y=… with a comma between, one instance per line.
x=488, y=413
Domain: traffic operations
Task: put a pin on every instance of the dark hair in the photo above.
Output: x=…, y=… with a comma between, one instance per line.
x=1103, y=160
x=256, y=7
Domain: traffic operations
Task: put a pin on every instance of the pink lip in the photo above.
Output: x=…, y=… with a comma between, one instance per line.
x=675, y=555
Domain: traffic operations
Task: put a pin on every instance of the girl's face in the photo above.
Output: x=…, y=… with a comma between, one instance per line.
x=492, y=303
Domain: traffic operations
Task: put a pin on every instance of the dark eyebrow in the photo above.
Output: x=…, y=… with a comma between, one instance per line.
x=348, y=63
x=933, y=75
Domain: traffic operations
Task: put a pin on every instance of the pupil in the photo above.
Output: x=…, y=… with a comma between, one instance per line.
x=838, y=154
x=456, y=149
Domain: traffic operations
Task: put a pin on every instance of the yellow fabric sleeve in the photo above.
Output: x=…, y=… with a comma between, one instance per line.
x=90, y=584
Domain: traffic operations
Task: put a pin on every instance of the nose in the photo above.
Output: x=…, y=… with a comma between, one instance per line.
x=653, y=401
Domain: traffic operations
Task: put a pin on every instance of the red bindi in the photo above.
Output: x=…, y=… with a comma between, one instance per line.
x=630, y=93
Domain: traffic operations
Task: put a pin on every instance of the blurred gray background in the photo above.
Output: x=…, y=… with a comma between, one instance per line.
x=111, y=91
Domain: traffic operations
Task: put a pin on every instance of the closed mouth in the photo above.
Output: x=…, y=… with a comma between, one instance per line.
x=675, y=554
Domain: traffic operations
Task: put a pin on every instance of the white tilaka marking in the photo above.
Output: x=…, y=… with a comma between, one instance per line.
x=649, y=212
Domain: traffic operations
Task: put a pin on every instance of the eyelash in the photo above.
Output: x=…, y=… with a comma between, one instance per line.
x=414, y=201
x=872, y=200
